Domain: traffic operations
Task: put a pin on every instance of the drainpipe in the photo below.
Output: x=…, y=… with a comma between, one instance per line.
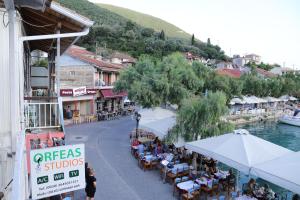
x=10, y=7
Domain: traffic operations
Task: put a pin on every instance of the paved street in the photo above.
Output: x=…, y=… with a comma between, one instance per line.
x=118, y=175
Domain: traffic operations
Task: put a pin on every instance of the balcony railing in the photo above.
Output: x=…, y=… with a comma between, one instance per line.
x=42, y=115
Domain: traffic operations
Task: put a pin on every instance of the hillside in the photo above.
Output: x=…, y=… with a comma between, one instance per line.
x=148, y=21
x=116, y=32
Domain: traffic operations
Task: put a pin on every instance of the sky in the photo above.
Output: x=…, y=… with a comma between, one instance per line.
x=269, y=28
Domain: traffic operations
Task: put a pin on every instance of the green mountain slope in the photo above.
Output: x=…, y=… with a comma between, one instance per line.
x=117, y=32
x=148, y=21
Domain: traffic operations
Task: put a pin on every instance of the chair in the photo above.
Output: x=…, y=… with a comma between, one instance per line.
x=176, y=181
x=209, y=188
x=172, y=176
x=187, y=196
x=146, y=165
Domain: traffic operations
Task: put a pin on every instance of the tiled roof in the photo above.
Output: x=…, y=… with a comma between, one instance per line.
x=234, y=73
x=87, y=56
x=265, y=73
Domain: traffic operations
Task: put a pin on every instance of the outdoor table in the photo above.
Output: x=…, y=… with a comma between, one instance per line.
x=245, y=197
x=222, y=174
x=188, y=185
x=202, y=180
x=179, y=168
x=149, y=158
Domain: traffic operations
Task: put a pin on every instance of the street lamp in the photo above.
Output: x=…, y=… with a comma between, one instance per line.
x=137, y=118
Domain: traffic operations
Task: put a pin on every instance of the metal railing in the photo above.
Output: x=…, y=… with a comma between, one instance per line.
x=42, y=115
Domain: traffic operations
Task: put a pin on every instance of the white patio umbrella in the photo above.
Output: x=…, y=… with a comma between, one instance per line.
x=159, y=127
x=283, y=171
x=284, y=98
x=272, y=99
x=240, y=149
x=293, y=98
x=236, y=100
x=157, y=120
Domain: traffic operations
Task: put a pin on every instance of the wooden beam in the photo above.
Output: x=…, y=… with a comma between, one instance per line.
x=49, y=18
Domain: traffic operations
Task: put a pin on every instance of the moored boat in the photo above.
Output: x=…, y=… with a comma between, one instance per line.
x=291, y=120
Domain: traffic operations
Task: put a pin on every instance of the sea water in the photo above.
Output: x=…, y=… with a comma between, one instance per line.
x=281, y=134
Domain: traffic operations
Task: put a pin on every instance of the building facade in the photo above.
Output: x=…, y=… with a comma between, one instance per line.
x=85, y=71
x=17, y=41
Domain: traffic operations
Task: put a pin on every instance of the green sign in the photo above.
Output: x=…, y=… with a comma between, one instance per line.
x=42, y=179
x=73, y=173
x=59, y=176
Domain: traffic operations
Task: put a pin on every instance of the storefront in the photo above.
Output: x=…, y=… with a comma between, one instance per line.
x=78, y=102
x=109, y=101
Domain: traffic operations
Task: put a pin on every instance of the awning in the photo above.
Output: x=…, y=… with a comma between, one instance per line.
x=239, y=150
x=109, y=93
x=157, y=120
x=282, y=171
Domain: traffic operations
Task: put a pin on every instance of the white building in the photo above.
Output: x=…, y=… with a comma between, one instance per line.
x=239, y=61
x=253, y=58
x=224, y=65
x=283, y=70
x=15, y=77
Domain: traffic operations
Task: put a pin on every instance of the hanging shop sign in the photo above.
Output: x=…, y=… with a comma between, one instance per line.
x=57, y=170
x=79, y=91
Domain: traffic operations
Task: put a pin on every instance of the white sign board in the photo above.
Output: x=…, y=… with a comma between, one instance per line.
x=79, y=91
x=57, y=170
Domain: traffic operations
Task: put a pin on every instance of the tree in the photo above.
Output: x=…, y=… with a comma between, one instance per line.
x=155, y=83
x=193, y=40
x=200, y=117
x=162, y=35
x=208, y=42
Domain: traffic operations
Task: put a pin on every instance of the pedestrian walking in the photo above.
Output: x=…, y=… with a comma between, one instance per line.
x=90, y=187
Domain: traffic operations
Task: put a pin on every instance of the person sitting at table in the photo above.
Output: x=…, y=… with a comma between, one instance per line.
x=158, y=148
x=141, y=148
x=296, y=197
x=230, y=181
x=268, y=193
x=251, y=187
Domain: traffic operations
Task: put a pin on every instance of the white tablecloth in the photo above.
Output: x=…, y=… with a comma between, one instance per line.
x=187, y=185
x=244, y=197
x=222, y=174
x=179, y=168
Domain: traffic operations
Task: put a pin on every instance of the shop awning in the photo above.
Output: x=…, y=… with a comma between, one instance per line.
x=109, y=93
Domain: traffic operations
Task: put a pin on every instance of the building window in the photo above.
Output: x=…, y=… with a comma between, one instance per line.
x=72, y=73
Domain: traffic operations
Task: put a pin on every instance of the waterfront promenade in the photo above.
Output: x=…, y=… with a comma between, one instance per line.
x=118, y=175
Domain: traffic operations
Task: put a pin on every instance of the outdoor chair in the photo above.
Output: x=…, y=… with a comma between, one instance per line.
x=171, y=176
x=146, y=165
x=209, y=189
x=191, y=195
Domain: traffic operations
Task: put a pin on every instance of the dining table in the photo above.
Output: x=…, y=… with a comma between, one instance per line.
x=178, y=168
x=245, y=197
x=221, y=174
x=188, y=185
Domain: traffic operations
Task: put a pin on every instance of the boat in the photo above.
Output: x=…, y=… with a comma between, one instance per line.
x=291, y=120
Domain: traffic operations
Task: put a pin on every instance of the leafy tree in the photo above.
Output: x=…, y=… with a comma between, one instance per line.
x=162, y=35
x=208, y=42
x=153, y=83
x=193, y=40
x=41, y=63
x=200, y=117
